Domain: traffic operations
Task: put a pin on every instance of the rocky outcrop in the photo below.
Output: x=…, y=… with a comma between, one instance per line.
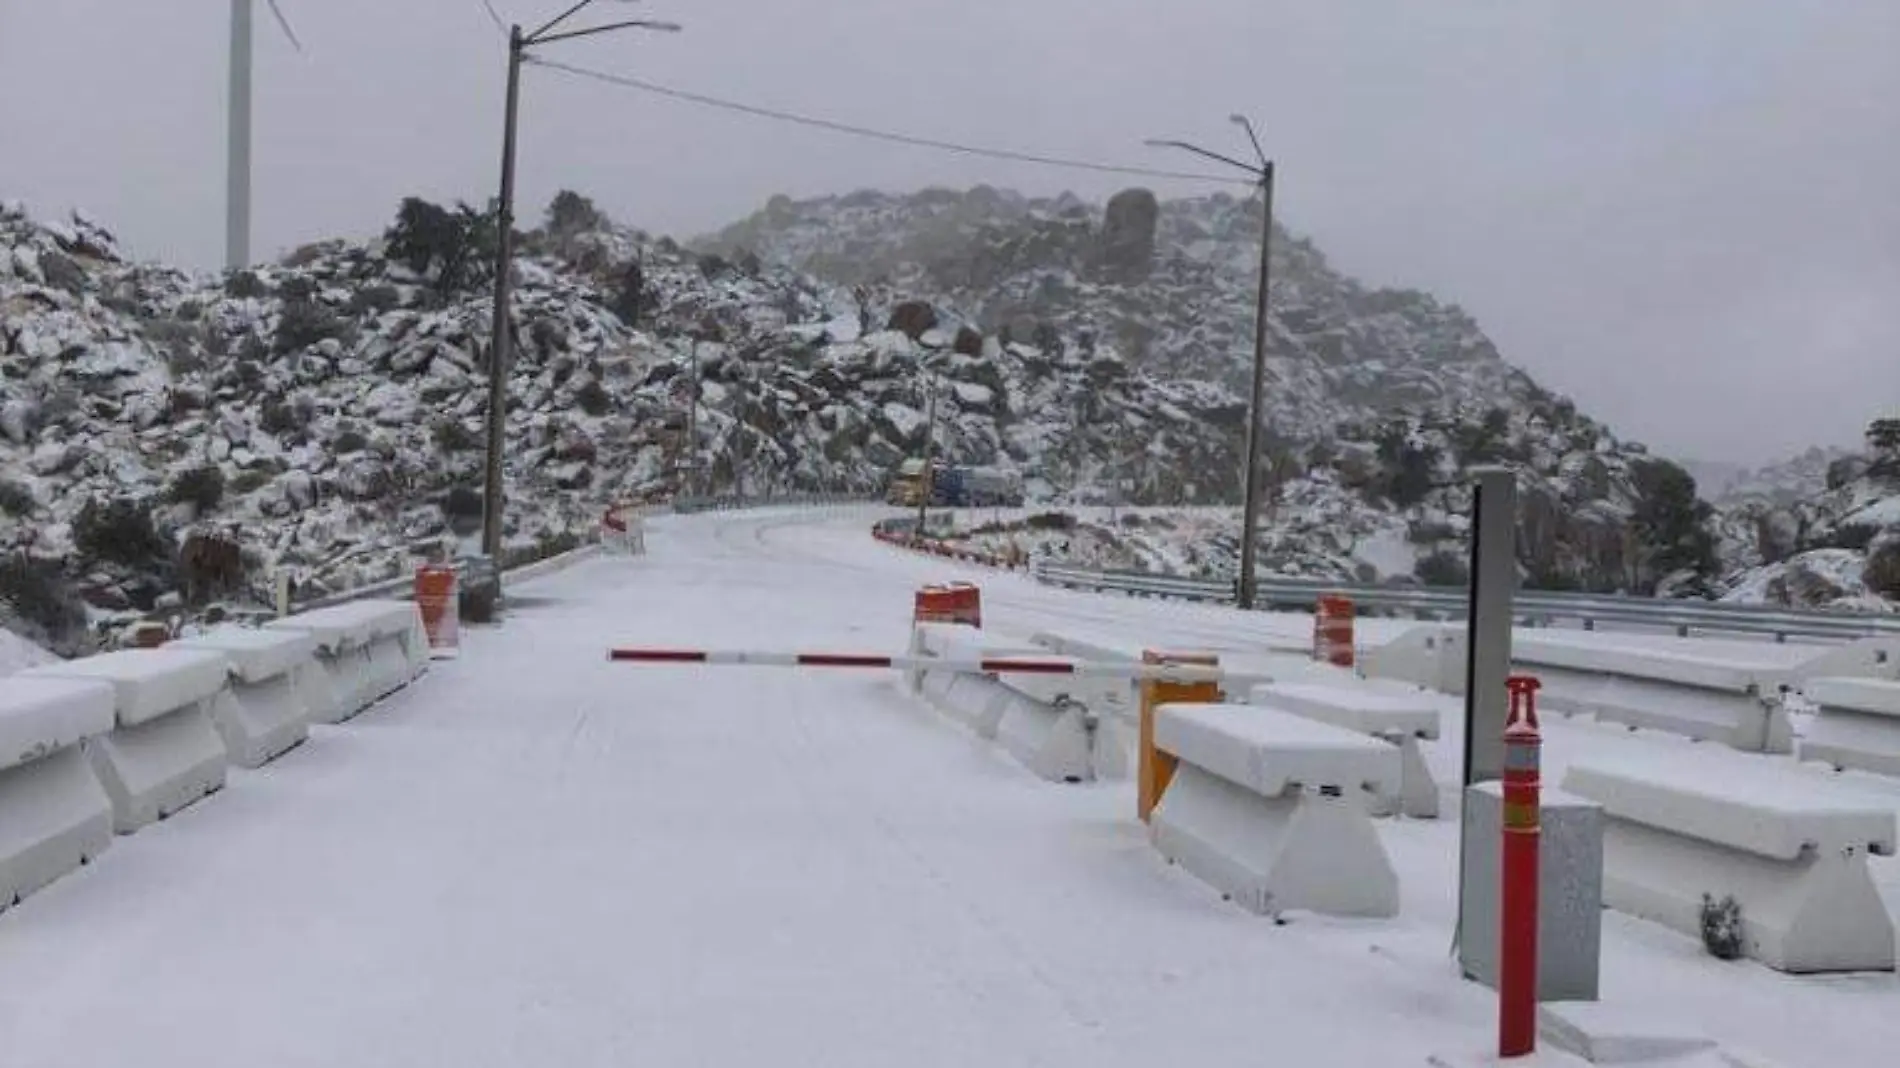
x=1127, y=245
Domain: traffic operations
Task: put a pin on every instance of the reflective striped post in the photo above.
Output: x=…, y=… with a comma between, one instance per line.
x=1517, y=942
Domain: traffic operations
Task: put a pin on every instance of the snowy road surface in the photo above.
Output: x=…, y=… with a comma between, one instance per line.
x=533, y=857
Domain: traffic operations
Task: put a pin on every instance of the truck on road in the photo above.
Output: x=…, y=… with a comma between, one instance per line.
x=955, y=486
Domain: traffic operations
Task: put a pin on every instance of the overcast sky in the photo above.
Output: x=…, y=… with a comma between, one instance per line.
x=1684, y=214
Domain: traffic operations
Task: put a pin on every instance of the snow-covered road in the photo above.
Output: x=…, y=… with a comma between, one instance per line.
x=534, y=857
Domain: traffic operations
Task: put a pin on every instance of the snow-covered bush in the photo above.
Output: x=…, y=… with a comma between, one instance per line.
x=1723, y=932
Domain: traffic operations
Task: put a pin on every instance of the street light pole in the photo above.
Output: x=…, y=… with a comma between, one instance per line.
x=500, y=355
x=500, y=349
x=926, y=480
x=692, y=428
x=1250, y=521
x=1250, y=487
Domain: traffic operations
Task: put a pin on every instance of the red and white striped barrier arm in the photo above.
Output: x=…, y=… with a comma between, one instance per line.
x=1005, y=665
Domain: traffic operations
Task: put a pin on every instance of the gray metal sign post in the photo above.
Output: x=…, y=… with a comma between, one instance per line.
x=1487, y=664
x=1488, y=644
x=1570, y=849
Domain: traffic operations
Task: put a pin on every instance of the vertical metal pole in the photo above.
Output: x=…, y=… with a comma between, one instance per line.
x=500, y=359
x=237, y=175
x=1488, y=626
x=738, y=444
x=1487, y=666
x=926, y=483
x=692, y=430
x=1250, y=493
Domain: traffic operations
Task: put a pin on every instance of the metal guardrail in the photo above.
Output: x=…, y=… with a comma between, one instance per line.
x=403, y=585
x=1532, y=607
x=690, y=505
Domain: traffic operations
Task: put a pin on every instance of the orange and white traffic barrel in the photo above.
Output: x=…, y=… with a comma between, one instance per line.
x=438, y=601
x=1332, y=630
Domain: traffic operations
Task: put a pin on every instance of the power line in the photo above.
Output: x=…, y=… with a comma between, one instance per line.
x=495, y=17
x=869, y=132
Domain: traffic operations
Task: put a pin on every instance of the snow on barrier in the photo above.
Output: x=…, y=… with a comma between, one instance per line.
x=1397, y=719
x=1858, y=725
x=54, y=816
x=1731, y=696
x=1124, y=699
x=1116, y=698
x=1430, y=655
x=1268, y=808
x=1683, y=835
x=368, y=650
x=162, y=752
x=268, y=710
x=1696, y=695
x=1043, y=720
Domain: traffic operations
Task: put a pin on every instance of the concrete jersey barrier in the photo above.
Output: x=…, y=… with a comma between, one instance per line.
x=368, y=650
x=1058, y=739
x=54, y=815
x=1732, y=695
x=162, y=753
x=1269, y=809
x=1789, y=848
x=1702, y=697
x=1858, y=725
x=1398, y=719
x=271, y=706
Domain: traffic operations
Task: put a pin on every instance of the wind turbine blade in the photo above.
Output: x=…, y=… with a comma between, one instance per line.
x=284, y=24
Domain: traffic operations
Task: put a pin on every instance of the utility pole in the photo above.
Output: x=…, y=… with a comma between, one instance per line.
x=738, y=442
x=500, y=349
x=692, y=429
x=1250, y=486
x=926, y=479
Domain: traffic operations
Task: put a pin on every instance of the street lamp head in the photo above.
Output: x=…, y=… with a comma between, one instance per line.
x=1242, y=121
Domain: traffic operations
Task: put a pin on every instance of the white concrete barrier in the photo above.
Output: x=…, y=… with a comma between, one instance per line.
x=1036, y=718
x=1858, y=725
x=1401, y=720
x=1700, y=696
x=162, y=753
x=1791, y=849
x=1269, y=809
x=1703, y=689
x=1430, y=655
x=269, y=708
x=1122, y=698
x=54, y=816
x=368, y=650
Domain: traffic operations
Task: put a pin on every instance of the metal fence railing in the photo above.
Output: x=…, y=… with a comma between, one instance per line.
x=1532, y=607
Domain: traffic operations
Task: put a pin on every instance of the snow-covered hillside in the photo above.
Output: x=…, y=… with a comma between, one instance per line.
x=1836, y=546
x=323, y=416
x=1795, y=478
x=326, y=413
x=1377, y=399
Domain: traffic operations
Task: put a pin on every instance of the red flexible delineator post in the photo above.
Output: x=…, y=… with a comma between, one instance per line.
x=1518, y=906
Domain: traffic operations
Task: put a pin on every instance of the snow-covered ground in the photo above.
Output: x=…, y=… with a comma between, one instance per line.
x=18, y=654
x=535, y=857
